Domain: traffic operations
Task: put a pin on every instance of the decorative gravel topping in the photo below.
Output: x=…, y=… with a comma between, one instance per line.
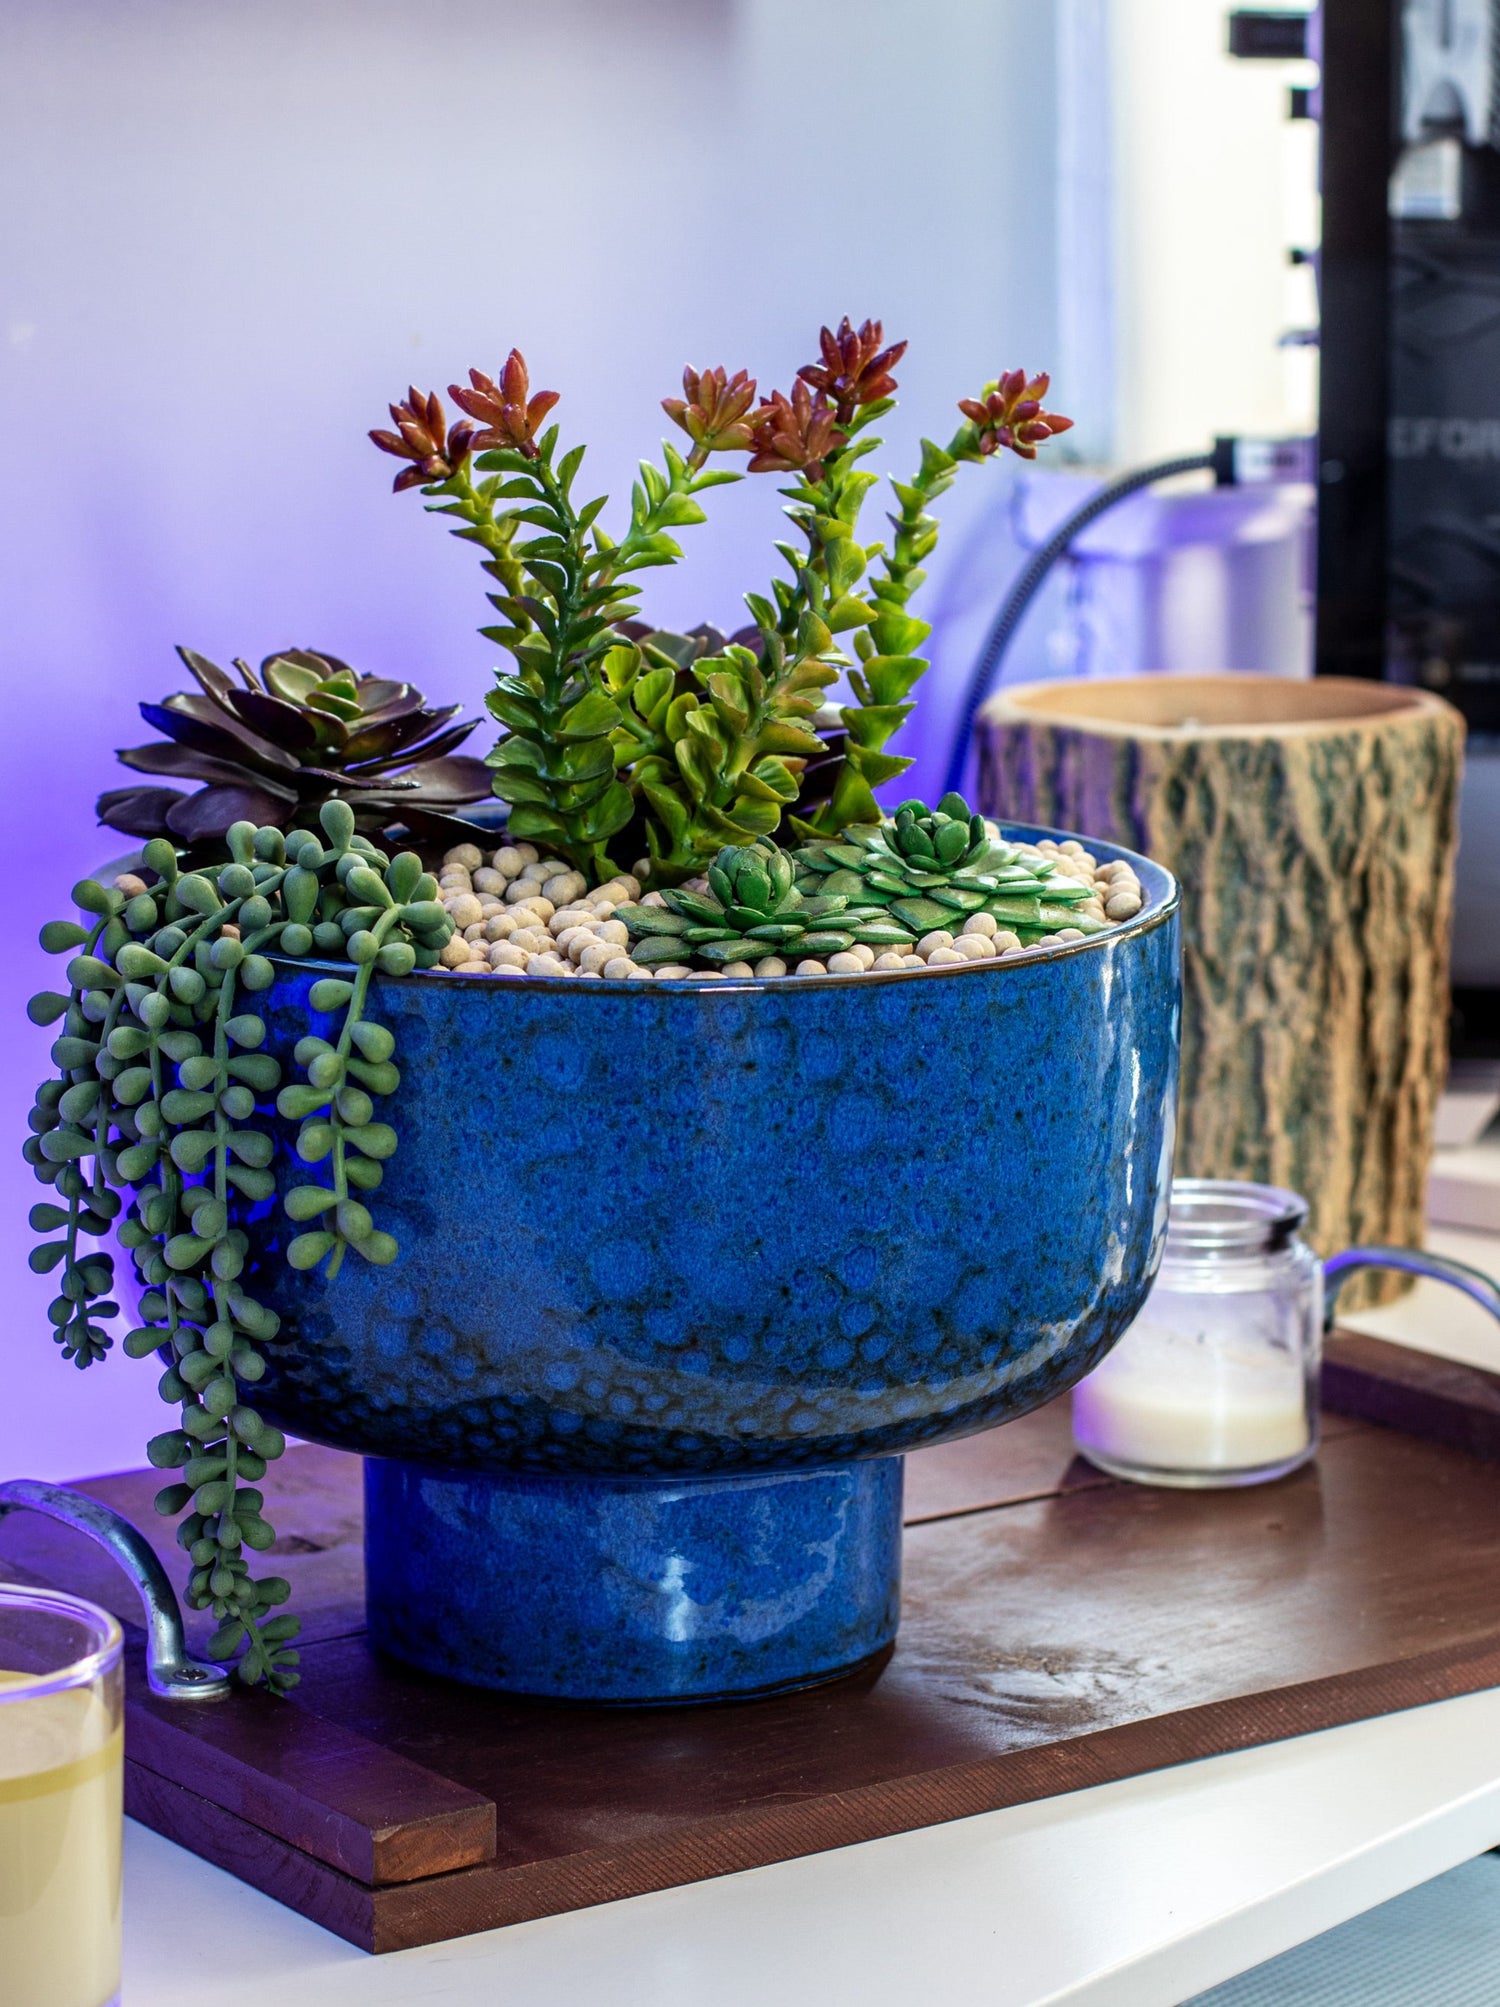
x=519, y=913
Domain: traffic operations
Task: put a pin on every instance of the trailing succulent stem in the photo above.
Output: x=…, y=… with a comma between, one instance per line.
x=156, y=1127
x=608, y=734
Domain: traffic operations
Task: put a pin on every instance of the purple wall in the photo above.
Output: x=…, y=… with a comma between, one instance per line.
x=231, y=234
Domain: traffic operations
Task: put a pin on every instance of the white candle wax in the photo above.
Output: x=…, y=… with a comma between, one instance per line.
x=1174, y=1401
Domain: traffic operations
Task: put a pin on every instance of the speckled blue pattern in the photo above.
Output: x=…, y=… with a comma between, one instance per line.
x=622, y=1590
x=648, y=1230
x=665, y=1231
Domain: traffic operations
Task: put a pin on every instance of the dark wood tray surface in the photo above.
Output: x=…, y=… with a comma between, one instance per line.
x=1060, y=1630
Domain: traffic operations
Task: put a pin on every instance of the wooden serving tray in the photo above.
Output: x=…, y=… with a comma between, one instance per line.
x=1060, y=1630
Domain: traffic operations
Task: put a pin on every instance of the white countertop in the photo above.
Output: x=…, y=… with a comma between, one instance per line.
x=1136, y=1894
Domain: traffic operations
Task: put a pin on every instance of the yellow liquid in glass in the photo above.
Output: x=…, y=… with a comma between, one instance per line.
x=60, y=1826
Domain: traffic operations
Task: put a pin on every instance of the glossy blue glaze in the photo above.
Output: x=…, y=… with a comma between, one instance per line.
x=622, y=1590
x=662, y=1231
x=746, y=1226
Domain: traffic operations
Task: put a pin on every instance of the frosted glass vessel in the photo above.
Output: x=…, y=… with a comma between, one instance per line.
x=1216, y=1381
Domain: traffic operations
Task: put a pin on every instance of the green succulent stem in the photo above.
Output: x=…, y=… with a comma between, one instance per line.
x=690, y=751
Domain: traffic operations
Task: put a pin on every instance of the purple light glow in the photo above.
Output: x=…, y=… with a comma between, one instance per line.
x=233, y=234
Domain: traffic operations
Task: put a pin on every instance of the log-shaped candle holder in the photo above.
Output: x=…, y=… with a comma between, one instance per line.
x=1313, y=828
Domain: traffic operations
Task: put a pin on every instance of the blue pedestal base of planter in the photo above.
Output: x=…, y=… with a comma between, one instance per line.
x=633, y=1591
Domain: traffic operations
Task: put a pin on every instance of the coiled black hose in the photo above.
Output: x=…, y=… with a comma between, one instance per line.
x=1028, y=582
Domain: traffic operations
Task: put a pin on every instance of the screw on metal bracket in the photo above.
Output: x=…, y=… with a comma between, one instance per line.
x=170, y=1671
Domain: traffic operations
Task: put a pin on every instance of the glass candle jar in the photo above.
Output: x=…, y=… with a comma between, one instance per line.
x=61, y=1772
x=1216, y=1381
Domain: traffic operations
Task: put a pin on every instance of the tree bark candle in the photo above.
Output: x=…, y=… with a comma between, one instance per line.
x=1313, y=828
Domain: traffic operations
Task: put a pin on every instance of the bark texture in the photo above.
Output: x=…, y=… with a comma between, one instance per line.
x=1313, y=829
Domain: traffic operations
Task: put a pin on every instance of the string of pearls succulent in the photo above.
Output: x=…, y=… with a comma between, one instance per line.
x=518, y=913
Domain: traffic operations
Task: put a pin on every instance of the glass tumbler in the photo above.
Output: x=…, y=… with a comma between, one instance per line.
x=61, y=1776
x=1216, y=1381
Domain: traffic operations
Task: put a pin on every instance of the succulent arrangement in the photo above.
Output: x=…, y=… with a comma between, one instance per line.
x=881, y=889
x=169, y=1113
x=616, y=732
x=273, y=746
x=157, y=1128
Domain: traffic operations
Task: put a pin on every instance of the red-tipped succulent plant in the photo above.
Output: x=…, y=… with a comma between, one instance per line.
x=712, y=410
x=1009, y=414
x=507, y=411
x=423, y=437
x=796, y=434
x=618, y=734
x=855, y=370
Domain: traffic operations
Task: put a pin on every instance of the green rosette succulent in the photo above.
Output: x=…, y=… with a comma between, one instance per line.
x=930, y=868
x=753, y=908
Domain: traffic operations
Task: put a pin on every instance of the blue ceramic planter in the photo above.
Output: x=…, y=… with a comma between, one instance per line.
x=685, y=1269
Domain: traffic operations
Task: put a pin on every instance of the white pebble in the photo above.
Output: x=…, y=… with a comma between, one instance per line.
x=473, y=969
x=912, y=962
x=455, y=953
x=614, y=930
x=811, y=968
x=474, y=933
x=465, y=909
x=982, y=923
x=641, y=869
x=130, y=885
x=500, y=927
x=973, y=947
x=489, y=880
x=672, y=972
x=944, y=956
x=738, y=969
x=519, y=889
x=653, y=899
x=507, y=861
x=706, y=975
x=528, y=853
x=565, y=886
x=542, y=908
x=547, y=965
x=641, y=976
x=844, y=964
x=594, y=960
x=890, y=960
x=770, y=965
x=929, y=943
x=1070, y=934
x=618, y=968
x=504, y=956
x=1006, y=939
x=1007, y=953
x=466, y=855
x=1071, y=847
x=1122, y=905
x=506, y=969
x=534, y=940
x=864, y=954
